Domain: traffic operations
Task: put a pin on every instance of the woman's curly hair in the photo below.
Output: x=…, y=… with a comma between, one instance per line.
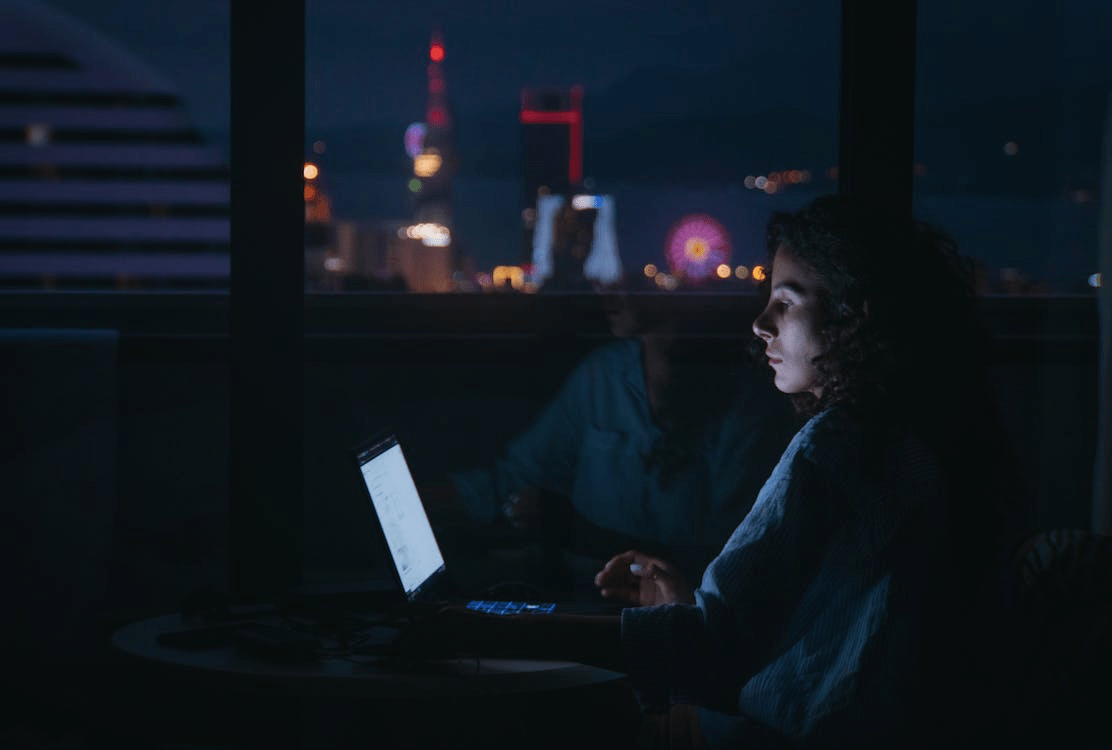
x=905, y=348
x=898, y=309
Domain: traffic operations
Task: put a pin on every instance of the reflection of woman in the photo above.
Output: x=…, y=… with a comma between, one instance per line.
x=828, y=614
x=572, y=243
x=649, y=446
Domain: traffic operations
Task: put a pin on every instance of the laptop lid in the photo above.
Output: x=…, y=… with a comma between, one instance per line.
x=410, y=541
x=417, y=560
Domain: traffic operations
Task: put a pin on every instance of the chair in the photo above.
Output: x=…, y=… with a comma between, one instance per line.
x=1061, y=641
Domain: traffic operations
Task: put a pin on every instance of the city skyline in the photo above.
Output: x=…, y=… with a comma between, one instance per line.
x=719, y=94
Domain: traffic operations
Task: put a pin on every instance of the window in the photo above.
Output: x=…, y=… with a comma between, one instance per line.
x=1011, y=111
x=479, y=148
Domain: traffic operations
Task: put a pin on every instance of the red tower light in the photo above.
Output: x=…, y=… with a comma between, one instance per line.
x=436, y=52
x=436, y=116
x=572, y=116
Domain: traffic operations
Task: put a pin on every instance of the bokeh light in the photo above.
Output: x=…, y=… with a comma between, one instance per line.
x=310, y=171
x=427, y=164
x=696, y=246
x=38, y=134
x=758, y=273
x=415, y=139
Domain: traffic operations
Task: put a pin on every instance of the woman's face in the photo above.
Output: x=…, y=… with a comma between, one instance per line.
x=791, y=322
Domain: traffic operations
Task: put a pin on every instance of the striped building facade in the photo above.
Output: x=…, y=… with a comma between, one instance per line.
x=104, y=180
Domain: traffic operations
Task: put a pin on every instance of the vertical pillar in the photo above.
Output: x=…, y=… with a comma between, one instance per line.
x=266, y=298
x=876, y=136
x=1102, y=480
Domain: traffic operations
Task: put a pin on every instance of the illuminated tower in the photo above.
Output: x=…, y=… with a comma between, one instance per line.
x=552, y=138
x=434, y=165
x=552, y=145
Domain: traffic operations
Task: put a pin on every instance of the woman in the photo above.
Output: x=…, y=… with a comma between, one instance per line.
x=829, y=615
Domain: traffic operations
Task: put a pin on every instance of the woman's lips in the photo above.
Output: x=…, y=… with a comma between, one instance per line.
x=774, y=360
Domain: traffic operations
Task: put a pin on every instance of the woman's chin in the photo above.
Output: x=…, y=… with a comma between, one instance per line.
x=789, y=388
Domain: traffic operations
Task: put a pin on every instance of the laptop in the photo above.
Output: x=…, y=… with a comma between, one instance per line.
x=417, y=560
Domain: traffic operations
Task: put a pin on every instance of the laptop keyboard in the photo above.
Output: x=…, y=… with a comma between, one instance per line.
x=509, y=608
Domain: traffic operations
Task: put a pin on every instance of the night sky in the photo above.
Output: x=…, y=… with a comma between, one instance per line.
x=366, y=59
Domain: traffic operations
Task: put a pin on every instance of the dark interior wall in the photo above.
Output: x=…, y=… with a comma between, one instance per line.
x=1050, y=409
x=58, y=488
x=171, y=516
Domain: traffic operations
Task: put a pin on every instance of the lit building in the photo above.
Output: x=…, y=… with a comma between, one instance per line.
x=569, y=235
x=394, y=255
x=552, y=143
x=575, y=244
x=424, y=268
x=434, y=160
x=414, y=254
x=324, y=270
x=110, y=183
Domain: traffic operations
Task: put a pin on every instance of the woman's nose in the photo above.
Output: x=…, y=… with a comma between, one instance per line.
x=761, y=326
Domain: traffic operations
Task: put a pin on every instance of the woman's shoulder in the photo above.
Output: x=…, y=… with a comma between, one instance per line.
x=853, y=443
x=821, y=447
x=830, y=436
x=879, y=466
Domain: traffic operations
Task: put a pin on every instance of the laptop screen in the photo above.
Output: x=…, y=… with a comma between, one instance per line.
x=409, y=536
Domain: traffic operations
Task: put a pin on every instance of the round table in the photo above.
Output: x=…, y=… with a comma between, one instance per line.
x=461, y=700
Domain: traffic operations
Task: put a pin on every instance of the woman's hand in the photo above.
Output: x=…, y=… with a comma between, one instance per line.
x=643, y=581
